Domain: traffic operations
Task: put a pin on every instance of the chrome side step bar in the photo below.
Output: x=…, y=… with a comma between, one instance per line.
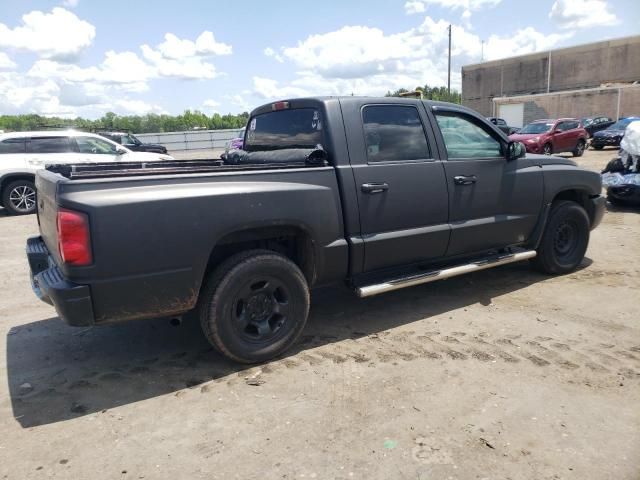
x=419, y=279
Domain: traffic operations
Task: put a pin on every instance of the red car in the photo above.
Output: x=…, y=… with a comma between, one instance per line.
x=553, y=136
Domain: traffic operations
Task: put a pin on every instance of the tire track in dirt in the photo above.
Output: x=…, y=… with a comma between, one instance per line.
x=566, y=354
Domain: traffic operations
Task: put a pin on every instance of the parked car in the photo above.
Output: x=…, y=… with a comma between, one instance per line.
x=502, y=125
x=235, y=143
x=553, y=136
x=132, y=142
x=22, y=153
x=323, y=193
x=612, y=136
x=595, y=124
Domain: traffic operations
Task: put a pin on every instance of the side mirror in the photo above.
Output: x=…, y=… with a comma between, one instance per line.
x=515, y=150
x=120, y=151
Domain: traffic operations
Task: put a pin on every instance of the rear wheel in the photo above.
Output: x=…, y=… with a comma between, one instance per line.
x=547, y=149
x=579, y=150
x=254, y=306
x=597, y=147
x=19, y=197
x=565, y=239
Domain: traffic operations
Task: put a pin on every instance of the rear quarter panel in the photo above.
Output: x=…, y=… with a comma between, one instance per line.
x=152, y=237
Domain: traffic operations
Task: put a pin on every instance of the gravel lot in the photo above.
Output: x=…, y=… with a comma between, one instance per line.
x=502, y=374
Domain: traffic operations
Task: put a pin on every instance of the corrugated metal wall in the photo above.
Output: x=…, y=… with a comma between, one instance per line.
x=191, y=140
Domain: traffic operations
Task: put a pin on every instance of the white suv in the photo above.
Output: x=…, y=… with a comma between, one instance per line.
x=22, y=153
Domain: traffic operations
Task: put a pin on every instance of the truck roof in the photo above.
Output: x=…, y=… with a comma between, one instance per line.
x=351, y=98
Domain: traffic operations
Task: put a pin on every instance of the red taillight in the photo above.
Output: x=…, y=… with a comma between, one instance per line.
x=73, y=238
x=279, y=106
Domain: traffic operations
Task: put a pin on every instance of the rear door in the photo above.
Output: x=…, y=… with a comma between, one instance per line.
x=493, y=202
x=12, y=155
x=402, y=192
x=42, y=150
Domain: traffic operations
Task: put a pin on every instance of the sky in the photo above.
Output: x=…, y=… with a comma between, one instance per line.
x=87, y=57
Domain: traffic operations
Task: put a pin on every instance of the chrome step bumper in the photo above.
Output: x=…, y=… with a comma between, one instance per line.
x=432, y=276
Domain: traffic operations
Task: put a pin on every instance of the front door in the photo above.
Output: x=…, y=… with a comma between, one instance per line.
x=493, y=202
x=402, y=192
x=93, y=149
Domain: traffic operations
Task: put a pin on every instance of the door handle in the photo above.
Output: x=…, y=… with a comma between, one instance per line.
x=465, y=179
x=372, y=188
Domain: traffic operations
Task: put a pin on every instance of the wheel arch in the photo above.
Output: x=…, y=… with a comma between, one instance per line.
x=293, y=241
x=12, y=177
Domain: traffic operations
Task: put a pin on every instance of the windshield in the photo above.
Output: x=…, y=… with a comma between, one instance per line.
x=536, y=128
x=622, y=124
x=587, y=121
x=298, y=128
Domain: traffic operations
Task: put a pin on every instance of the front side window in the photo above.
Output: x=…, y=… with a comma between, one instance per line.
x=49, y=145
x=465, y=138
x=12, y=145
x=393, y=133
x=297, y=128
x=129, y=140
x=95, y=146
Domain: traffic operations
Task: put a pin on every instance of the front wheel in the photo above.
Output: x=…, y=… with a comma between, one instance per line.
x=547, y=149
x=19, y=197
x=597, y=147
x=254, y=306
x=565, y=239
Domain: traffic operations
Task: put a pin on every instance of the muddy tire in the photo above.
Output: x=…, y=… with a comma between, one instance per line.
x=254, y=306
x=565, y=239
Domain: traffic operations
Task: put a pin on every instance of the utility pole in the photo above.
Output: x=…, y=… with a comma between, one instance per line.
x=482, y=52
x=449, y=69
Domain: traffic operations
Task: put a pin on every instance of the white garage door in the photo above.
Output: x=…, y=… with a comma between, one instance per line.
x=513, y=113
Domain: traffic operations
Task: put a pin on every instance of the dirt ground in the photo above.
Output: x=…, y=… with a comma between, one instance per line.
x=504, y=374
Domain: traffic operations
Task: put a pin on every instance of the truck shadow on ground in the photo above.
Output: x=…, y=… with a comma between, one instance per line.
x=57, y=373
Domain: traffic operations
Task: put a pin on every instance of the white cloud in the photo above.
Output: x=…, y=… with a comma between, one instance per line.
x=183, y=58
x=414, y=6
x=135, y=107
x=270, y=52
x=70, y=3
x=5, y=62
x=268, y=88
x=57, y=35
x=206, y=45
x=582, y=14
x=367, y=61
x=420, y=6
x=211, y=105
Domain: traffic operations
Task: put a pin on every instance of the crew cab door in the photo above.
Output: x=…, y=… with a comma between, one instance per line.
x=493, y=202
x=401, y=188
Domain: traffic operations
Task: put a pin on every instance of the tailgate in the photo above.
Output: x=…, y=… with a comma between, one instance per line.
x=47, y=187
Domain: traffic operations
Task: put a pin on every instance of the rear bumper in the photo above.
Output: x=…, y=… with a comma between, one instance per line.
x=599, y=207
x=71, y=301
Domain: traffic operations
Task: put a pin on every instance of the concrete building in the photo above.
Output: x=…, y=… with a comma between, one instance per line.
x=600, y=78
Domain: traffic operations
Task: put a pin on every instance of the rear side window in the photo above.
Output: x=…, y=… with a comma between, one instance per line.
x=12, y=145
x=49, y=145
x=297, y=128
x=394, y=133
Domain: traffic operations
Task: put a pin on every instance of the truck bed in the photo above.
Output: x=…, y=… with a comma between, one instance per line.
x=138, y=169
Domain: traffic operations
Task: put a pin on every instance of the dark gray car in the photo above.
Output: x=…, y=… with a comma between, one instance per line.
x=373, y=193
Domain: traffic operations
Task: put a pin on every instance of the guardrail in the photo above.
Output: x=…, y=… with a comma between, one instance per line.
x=191, y=140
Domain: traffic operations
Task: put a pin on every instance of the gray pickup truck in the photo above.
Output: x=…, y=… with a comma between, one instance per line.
x=405, y=192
